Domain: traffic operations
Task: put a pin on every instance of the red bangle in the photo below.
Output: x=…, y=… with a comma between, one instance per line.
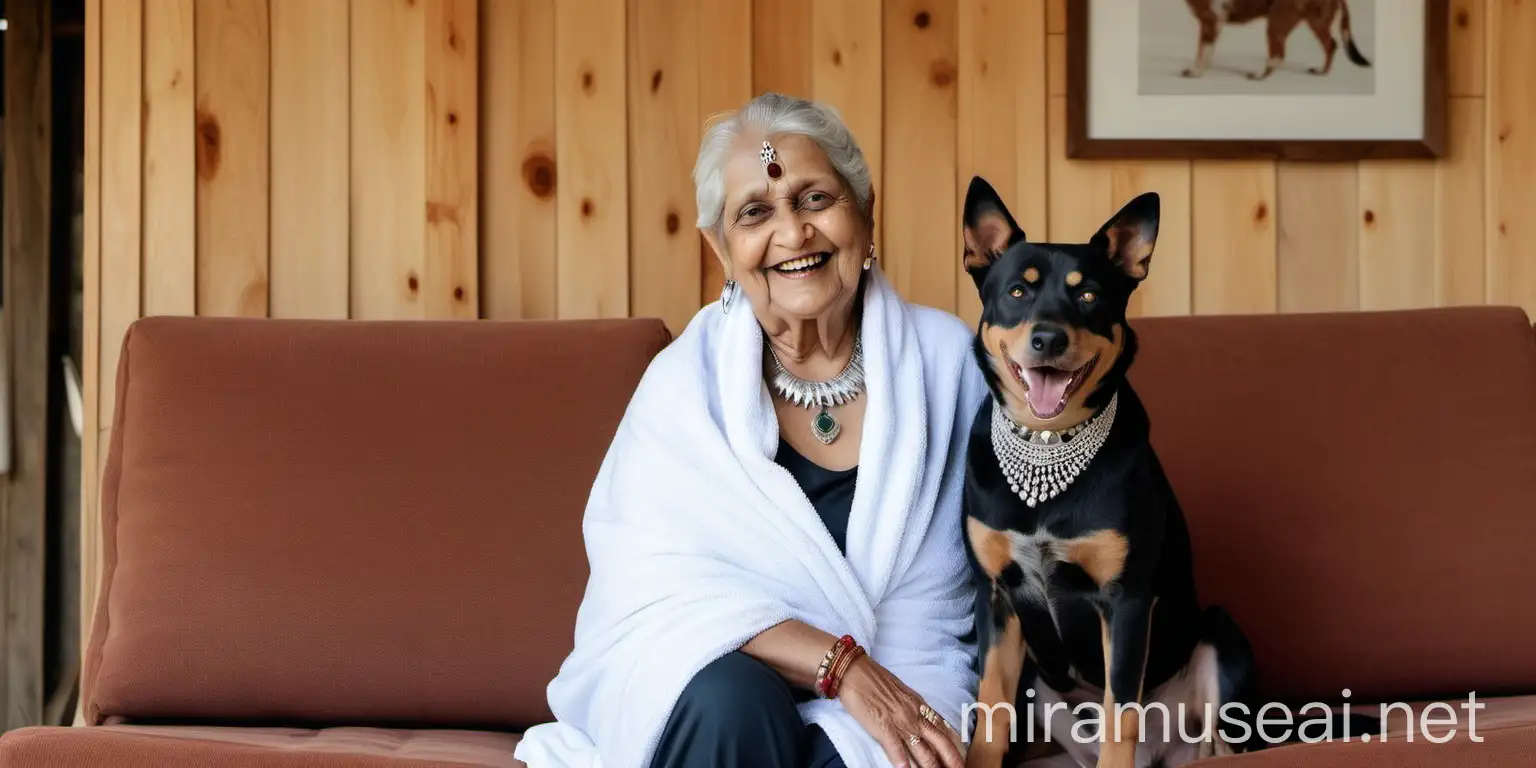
x=834, y=664
x=842, y=668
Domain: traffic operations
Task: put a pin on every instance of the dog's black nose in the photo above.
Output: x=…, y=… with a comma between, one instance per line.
x=1048, y=340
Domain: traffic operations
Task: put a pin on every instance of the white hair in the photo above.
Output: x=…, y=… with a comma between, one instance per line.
x=775, y=113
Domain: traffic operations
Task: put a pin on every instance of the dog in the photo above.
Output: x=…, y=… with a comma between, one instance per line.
x=1085, y=588
x=1282, y=17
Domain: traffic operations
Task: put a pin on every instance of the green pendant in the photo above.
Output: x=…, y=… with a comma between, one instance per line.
x=825, y=427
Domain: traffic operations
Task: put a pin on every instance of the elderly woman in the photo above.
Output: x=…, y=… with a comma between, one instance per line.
x=778, y=576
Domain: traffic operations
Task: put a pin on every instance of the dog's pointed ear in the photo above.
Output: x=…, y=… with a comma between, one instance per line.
x=1131, y=234
x=989, y=228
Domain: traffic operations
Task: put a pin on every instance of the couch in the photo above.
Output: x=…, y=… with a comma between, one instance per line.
x=340, y=543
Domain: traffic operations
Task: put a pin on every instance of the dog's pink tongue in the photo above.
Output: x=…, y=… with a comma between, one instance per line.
x=1046, y=386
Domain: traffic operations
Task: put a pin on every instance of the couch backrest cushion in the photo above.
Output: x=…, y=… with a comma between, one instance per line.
x=1361, y=489
x=336, y=521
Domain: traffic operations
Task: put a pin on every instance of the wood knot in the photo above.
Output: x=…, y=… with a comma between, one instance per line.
x=1463, y=18
x=837, y=58
x=588, y=82
x=458, y=293
x=453, y=38
x=208, y=145
x=586, y=206
x=1260, y=212
x=1370, y=217
x=942, y=72
x=1503, y=229
x=672, y=222
x=453, y=118
x=438, y=213
x=539, y=175
x=922, y=20
x=655, y=81
x=412, y=283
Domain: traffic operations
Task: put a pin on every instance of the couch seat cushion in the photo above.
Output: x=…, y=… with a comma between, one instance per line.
x=1506, y=746
x=174, y=746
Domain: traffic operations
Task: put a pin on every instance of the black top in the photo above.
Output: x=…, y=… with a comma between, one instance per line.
x=830, y=491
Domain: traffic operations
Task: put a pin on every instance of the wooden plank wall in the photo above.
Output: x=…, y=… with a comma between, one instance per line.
x=27, y=195
x=532, y=159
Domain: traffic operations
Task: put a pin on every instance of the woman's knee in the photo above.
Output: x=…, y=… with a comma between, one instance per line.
x=737, y=690
x=735, y=712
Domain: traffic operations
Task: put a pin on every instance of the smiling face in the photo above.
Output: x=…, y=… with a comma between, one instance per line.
x=1053, y=328
x=795, y=243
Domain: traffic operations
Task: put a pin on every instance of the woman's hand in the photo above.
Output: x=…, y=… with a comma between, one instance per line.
x=883, y=705
x=892, y=713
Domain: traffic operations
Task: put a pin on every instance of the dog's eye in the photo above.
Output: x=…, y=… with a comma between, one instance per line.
x=1017, y=292
x=1088, y=297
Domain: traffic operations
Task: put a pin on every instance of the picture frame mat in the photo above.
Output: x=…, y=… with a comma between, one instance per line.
x=1109, y=118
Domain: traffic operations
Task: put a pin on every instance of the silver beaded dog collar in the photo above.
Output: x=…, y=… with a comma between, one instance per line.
x=1040, y=465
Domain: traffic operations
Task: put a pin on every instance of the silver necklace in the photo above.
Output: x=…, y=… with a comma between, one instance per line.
x=1041, y=464
x=840, y=389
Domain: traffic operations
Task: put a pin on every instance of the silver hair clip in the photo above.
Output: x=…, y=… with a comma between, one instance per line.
x=770, y=161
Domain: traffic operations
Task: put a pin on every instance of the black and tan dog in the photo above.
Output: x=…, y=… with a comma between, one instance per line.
x=1281, y=18
x=1085, y=584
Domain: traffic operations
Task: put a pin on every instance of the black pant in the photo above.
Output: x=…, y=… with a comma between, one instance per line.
x=737, y=712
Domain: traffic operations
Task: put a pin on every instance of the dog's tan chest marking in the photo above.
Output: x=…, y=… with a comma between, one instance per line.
x=992, y=547
x=1100, y=554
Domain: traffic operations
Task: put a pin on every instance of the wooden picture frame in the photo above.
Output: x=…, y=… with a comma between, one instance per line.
x=1409, y=101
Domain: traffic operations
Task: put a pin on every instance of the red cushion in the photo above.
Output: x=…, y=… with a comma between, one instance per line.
x=1360, y=490
x=339, y=522
x=204, y=747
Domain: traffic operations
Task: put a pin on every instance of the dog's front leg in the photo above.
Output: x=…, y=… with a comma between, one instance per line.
x=1002, y=662
x=1208, y=29
x=1126, y=624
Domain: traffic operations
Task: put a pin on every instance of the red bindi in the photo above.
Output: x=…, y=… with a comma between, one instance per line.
x=770, y=161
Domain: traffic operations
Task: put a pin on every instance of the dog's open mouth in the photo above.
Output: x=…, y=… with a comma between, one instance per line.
x=1047, y=388
x=803, y=265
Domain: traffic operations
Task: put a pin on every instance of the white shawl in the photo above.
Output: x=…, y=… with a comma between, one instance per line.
x=697, y=540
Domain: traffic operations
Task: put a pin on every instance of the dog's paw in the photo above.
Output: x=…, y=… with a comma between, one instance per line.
x=1191, y=72
x=1258, y=75
x=1317, y=71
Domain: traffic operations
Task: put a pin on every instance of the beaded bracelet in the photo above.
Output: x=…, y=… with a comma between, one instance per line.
x=834, y=664
x=823, y=671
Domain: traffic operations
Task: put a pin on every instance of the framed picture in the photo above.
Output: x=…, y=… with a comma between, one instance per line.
x=1236, y=79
